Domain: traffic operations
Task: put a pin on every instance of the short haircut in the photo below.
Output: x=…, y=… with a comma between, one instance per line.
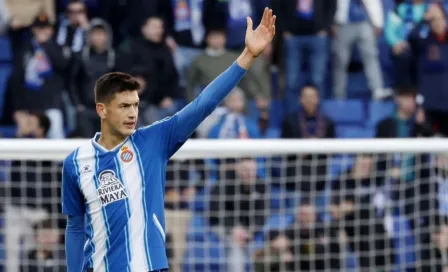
x=44, y=121
x=406, y=90
x=109, y=84
x=310, y=85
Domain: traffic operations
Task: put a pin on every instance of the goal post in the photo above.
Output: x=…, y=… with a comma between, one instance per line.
x=260, y=205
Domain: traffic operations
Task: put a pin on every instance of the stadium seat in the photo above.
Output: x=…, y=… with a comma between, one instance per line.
x=354, y=132
x=5, y=49
x=378, y=111
x=206, y=252
x=344, y=111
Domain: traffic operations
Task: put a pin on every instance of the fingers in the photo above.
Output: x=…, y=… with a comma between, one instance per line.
x=264, y=19
x=274, y=18
x=249, y=24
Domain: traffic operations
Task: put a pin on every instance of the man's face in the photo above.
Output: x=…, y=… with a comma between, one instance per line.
x=47, y=238
x=406, y=103
x=216, y=40
x=121, y=113
x=235, y=102
x=153, y=30
x=98, y=38
x=42, y=34
x=247, y=171
x=75, y=11
x=309, y=99
x=306, y=215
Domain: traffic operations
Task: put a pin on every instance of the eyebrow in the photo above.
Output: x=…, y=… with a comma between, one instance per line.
x=128, y=104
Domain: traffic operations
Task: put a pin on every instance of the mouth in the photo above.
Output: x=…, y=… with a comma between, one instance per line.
x=129, y=125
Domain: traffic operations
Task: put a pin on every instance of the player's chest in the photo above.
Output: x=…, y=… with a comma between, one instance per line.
x=111, y=177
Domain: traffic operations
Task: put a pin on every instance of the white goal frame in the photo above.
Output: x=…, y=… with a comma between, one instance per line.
x=57, y=150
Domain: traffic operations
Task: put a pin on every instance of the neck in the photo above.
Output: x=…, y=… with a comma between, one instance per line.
x=108, y=140
x=402, y=115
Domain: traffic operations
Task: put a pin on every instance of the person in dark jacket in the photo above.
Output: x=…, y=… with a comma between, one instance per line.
x=305, y=26
x=95, y=59
x=238, y=208
x=429, y=41
x=49, y=254
x=150, y=51
x=356, y=212
x=185, y=30
x=307, y=173
x=72, y=27
x=309, y=245
x=37, y=81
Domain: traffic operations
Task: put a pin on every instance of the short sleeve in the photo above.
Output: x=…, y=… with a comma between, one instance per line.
x=72, y=198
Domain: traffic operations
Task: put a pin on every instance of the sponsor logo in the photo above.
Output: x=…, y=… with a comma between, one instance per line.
x=110, y=189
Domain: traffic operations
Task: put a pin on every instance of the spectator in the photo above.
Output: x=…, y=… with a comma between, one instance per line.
x=234, y=124
x=37, y=81
x=359, y=22
x=231, y=15
x=185, y=31
x=21, y=16
x=306, y=25
x=95, y=59
x=29, y=204
x=71, y=31
x=400, y=23
x=151, y=52
x=440, y=240
x=303, y=246
x=206, y=67
x=408, y=119
x=49, y=254
x=356, y=212
x=147, y=113
x=308, y=171
x=238, y=209
x=429, y=42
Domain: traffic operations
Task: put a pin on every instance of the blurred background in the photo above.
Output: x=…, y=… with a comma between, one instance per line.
x=336, y=69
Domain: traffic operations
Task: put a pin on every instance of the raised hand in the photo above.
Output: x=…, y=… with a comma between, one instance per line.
x=258, y=40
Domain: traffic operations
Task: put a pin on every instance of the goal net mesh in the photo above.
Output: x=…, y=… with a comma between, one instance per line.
x=242, y=212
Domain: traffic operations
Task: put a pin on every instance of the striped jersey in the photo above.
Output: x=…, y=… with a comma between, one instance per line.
x=120, y=192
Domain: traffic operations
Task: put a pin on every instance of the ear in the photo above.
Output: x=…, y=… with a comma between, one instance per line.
x=101, y=110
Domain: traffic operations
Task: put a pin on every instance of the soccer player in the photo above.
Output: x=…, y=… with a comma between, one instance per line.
x=113, y=186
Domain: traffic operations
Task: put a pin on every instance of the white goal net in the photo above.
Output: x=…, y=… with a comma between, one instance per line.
x=248, y=205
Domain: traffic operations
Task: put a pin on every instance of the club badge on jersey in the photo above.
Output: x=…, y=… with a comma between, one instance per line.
x=110, y=188
x=126, y=154
x=305, y=9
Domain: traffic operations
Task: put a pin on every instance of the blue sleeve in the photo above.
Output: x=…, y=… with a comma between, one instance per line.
x=189, y=118
x=72, y=198
x=74, y=243
x=185, y=122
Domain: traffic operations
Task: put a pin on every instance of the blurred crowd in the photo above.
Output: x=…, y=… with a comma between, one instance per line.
x=337, y=69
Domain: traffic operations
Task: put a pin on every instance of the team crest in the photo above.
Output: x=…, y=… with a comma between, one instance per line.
x=126, y=154
x=110, y=188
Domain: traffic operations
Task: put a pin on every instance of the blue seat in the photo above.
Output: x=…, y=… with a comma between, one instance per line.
x=354, y=132
x=5, y=49
x=344, y=111
x=378, y=111
x=203, y=245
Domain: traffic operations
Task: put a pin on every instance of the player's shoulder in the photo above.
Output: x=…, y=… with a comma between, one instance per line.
x=81, y=152
x=155, y=127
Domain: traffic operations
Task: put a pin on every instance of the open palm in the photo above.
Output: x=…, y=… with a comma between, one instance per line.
x=257, y=40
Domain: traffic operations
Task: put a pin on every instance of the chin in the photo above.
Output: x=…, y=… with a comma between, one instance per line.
x=127, y=132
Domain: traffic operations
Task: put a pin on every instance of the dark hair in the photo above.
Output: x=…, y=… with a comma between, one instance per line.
x=109, y=84
x=310, y=85
x=46, y=224
x=406, y=90
x=44, y=121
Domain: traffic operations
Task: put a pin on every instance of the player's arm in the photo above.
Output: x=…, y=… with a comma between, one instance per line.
x=74, y=243
x=189, y=118
x=73, y=207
